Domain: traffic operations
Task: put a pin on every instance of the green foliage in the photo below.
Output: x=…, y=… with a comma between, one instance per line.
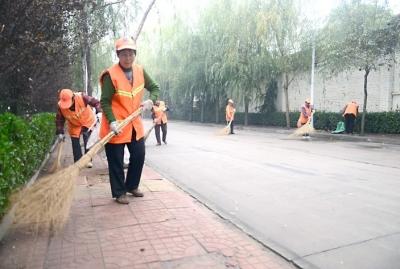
x=271, y=92
x=378, y=122
x=23, y=146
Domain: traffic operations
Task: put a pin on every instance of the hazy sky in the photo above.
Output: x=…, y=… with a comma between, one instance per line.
x=314, y=9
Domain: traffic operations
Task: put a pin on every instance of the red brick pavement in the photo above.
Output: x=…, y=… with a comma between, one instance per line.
x=167, y=228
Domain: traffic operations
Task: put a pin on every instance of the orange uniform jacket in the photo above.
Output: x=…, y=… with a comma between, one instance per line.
x=303, y=119
x=82, y=116
x=126, y=100
x=159, y=114
x=351, y=108
x=229, y=113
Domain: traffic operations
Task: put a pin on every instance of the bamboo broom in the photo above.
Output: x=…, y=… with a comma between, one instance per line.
x=146, y=135
x=307, y=128
x=57, y=163
x=46, y=203
x=226, y=129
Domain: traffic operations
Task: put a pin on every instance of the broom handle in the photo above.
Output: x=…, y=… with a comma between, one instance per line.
x=100, y=144
x=121, y=125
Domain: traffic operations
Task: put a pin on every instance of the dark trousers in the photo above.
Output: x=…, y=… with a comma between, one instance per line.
x=115, y=159
x=232, y=128
x=349, y=122
x=76, y=144
x=163, y=127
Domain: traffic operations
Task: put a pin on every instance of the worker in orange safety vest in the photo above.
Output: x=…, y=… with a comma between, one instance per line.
x=230, y=114
x=350, y=112
x=75, y=108
x=160, y=121
x=122, y=87
x=305, y=113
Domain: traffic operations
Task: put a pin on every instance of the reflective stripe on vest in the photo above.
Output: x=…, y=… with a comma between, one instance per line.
x=83, y=116
x=125, y=100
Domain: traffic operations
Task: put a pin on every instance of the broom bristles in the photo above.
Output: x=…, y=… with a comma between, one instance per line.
x=47, y=203
x=305, y=129
x=57, y=163
x=225, y=130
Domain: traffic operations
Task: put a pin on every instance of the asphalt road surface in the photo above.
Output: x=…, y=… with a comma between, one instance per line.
x=319, y=203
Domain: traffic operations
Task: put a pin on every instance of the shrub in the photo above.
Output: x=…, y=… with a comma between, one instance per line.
x=375, y=122
x=23, y=146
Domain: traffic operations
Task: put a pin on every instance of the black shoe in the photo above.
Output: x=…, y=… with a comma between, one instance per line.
x=136, y=193
x=122, y=200
x=165, y=142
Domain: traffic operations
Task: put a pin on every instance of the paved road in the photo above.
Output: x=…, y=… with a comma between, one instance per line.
x=319, y=203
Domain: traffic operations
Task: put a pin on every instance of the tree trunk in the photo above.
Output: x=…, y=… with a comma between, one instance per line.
x=246, y=110
x=143, y=20
x=191, y=104
x=217, y=109
x=367, y=69
x=89, y=69
x=86, y=57
x=286, y=92
x=202, y=112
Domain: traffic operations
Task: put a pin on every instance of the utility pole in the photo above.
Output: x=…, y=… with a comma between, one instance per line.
x=312, y=77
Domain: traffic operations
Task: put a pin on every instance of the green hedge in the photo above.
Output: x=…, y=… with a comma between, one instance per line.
x=375, y=122
x=23, y=146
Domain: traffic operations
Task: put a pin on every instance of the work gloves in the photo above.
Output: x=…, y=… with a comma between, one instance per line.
x=114, y=127
x=147, y=105
x=61, y=137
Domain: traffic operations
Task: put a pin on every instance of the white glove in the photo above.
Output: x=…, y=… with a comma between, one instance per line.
x=147, y=105
x=114, y=127
x=60, y=137
x=98, y=116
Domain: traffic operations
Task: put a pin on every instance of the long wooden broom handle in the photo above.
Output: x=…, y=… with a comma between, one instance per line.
x=121, y=125
x=100, y=144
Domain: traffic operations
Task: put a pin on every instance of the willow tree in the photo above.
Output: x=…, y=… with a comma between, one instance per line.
x=249, y=56
x=216, y=36
x=287, y=33
x=354, y=39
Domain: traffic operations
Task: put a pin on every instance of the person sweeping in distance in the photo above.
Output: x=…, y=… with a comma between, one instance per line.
x=74, y=108
x=230, y=114
x=160, y=121
x=305, y=117
x=350, y=112
x=122, y=87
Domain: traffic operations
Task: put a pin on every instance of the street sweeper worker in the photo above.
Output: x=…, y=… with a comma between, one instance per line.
x=350, y=112
x=122, y=87
x=159, y=116
x=305, y=113
x=75, y=109
x=230, y=114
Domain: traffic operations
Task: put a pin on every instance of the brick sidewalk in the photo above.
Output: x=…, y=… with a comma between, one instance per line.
x=167, y=228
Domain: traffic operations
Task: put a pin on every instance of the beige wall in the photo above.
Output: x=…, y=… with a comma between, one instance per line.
x=331, y=94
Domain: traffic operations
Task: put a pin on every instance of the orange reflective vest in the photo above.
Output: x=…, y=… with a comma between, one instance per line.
x=351, y=108
x=229, y=113
x=126, y=100
x=159, y=114
x=83, y=116
x=303, y=119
